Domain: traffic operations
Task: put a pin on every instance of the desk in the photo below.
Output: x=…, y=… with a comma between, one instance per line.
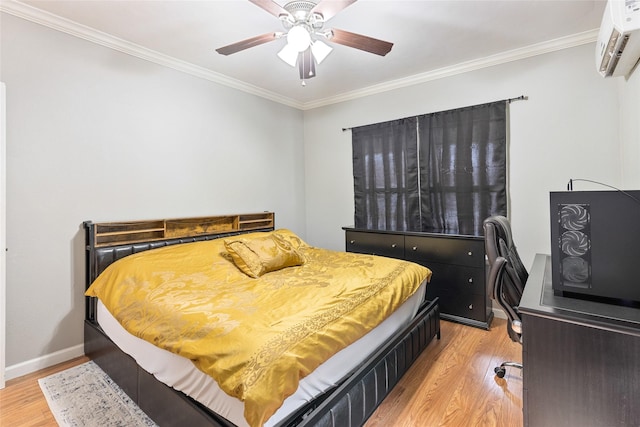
x=581, y=358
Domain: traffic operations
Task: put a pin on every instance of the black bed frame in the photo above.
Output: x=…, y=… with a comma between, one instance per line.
x=349, y=404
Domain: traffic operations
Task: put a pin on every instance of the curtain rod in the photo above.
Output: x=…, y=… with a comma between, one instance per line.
x=508, y=100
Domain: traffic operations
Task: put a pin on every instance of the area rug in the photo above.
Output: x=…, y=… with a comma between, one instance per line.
x=85, y=396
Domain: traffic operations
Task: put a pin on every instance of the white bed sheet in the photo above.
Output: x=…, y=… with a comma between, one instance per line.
x=181, y=374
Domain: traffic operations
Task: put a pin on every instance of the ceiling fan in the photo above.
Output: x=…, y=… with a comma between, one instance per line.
x=303, y=22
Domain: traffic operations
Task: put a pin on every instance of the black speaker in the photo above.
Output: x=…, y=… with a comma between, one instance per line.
x=595, y=245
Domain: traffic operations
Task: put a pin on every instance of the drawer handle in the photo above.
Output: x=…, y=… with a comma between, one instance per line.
x=470, y=279
x=352, y=242
x=393, y=246
x=470, y=253
x=415, y=248
x=470, y=306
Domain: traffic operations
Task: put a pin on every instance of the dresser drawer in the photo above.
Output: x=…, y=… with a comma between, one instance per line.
x=469, y=252
x=467, y=305
x=389, y=245
x=457, y=278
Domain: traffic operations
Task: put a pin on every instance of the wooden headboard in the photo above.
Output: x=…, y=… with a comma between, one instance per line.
x=107, y=242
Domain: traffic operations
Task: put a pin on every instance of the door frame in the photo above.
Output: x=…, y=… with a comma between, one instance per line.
x=3, y=230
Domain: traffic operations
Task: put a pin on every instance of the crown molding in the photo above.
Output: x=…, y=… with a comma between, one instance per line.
x=38, y=16
x=465, y=67
x=47, y=19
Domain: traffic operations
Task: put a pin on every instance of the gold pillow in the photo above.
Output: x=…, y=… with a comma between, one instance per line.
x=258, y=255
x=290, y=237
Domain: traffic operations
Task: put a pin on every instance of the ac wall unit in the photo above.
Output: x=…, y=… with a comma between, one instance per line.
x=618, y=47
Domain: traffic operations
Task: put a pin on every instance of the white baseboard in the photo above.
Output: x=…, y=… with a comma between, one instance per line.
x=42, y=362
x=499, y=313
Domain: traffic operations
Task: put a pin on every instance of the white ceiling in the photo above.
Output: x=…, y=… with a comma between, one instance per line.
x=430, y=38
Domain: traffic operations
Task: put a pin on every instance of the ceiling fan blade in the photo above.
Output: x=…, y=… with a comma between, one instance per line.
x=270, y=6
x=329, y=8
x=246, y=44
x=306, y=65
x=358, y=41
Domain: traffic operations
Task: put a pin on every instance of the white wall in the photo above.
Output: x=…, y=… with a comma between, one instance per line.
x=567, y=129
x=94, y=134
x=630, y=129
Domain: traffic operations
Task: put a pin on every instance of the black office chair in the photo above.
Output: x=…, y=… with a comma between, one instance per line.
x=507, y=278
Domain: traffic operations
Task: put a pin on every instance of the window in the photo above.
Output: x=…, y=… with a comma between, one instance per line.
x=441, y=172
x=385, y=164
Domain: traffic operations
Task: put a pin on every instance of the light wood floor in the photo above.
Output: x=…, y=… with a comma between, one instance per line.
x=23, y=404
x=451, y=384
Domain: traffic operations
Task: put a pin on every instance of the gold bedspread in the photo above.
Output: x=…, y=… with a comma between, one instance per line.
x=256, y=337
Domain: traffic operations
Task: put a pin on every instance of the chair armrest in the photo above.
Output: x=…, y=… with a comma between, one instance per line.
x=495, y=275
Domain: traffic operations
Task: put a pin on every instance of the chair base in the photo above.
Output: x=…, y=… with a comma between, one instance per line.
x=502, y=369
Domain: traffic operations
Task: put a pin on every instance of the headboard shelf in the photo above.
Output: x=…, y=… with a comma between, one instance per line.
x=122, y=233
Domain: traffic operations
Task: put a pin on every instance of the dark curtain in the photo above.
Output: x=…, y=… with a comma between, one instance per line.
x=385, y=176
x=462, y=168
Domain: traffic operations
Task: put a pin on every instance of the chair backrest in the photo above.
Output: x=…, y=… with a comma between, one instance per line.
x=499, y=242
x=507, y=274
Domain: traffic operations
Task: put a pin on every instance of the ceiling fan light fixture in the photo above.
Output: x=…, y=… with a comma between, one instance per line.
x=307, y=65
x=289, y=55
x=320, y=50
x=303, y=22
x=298, y=38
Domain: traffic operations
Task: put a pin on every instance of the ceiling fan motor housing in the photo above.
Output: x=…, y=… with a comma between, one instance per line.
x=300, y=14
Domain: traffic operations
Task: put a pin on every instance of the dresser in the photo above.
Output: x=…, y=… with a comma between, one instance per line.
x=457, y=262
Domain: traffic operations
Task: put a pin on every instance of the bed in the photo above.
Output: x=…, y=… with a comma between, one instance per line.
x=340, y=388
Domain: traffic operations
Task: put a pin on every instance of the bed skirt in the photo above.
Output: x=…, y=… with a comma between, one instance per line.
x=349, y=404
